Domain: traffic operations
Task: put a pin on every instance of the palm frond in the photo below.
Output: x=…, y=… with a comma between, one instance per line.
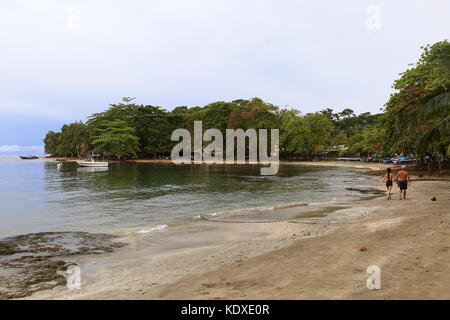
x=434, y=108
x=435, y=133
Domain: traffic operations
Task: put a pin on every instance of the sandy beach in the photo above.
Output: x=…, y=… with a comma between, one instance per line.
x=297, y=259
x=408, y=240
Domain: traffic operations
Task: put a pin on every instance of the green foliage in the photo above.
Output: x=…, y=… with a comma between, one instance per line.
x=115, y=138
x=417, y=118
x=52, y=140
x=307, y=134
x=73, y=140
x=367, y=142
x=130, y=130
x=152, y=125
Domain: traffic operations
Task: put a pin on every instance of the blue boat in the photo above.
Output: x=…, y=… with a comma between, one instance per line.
x=402, y=160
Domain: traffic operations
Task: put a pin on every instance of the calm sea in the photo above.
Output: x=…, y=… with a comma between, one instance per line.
x=37, y=196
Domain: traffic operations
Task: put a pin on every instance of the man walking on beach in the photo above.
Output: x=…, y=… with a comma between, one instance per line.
x=403, y=180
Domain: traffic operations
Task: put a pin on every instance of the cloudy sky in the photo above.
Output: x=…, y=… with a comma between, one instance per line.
x=62, y=60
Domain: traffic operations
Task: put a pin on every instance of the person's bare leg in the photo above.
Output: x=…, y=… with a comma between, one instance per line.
x=401, y=192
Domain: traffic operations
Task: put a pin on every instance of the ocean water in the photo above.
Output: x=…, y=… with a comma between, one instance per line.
x=37, y=196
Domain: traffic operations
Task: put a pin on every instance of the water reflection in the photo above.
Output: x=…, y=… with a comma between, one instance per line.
x=92, y=169
x=40, y=196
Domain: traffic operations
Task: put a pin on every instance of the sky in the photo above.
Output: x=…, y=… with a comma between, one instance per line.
x=62, y=60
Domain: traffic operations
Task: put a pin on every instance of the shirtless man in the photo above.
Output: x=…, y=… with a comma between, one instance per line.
x=403, y=180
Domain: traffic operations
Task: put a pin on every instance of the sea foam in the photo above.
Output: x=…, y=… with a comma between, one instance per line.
x=160, y=227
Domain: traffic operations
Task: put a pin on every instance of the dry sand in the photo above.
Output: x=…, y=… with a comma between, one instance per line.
x=408, y=240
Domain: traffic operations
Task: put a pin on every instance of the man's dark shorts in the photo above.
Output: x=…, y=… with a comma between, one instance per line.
x=403, y=185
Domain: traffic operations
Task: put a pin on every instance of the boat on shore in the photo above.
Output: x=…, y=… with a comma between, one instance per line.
x=92, y=163
x=402, y=160
x=28, y=157
x=399, y=160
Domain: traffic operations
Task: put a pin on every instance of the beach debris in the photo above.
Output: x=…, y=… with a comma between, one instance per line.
x=363, y=249
x=433, y=198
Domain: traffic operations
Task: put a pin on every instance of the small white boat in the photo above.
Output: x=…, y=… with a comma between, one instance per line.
x=92, y=163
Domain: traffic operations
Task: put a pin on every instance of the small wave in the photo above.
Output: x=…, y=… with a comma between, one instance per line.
x=291, y=205
x=160, y=227
x=320, y=203
x=240, y=211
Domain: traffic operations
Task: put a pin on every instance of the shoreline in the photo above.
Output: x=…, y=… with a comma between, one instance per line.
x=359, y=165
x=267, y=260
x=373, y=167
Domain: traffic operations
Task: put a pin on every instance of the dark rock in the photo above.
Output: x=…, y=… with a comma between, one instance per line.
x=37, y=261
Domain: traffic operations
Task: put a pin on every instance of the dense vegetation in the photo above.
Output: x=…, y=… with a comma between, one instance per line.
x=415, y=121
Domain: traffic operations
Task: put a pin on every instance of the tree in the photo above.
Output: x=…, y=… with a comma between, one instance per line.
x=306, y=134
x=81, y=138
x=367, y=142
x=153, y=125
x=255, y=114
x=115, y=138
x=51, y=142
x=417, y=115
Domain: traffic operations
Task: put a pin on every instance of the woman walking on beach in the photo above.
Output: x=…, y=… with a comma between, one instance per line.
x=388, y=177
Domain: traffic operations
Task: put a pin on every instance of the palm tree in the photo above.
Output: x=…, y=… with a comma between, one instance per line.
x=434, y=117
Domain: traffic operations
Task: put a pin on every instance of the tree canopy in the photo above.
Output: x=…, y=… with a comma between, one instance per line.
x=415, y=120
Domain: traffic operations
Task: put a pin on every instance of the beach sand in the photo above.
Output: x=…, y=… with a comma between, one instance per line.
x=298, y=259
x=409, y=240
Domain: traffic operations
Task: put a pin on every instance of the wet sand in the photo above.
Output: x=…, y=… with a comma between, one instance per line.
x=295, y=259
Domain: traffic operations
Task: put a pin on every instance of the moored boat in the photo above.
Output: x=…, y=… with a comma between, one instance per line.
x=93, y=163
x=28, y=157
